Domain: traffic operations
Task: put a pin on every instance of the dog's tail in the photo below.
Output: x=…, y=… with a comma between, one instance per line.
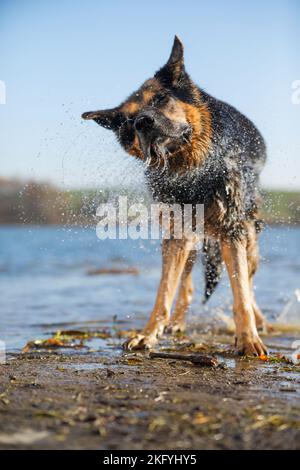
x=212, y=261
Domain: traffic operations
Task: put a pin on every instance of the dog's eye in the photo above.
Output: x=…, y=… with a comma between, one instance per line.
x=160, y=99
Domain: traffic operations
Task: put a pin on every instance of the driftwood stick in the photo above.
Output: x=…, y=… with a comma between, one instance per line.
x=198, y=359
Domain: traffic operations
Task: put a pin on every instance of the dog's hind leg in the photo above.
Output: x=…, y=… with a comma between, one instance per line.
x=253, y=260
x=235, y=256
x=184, y=297
x=174, y=253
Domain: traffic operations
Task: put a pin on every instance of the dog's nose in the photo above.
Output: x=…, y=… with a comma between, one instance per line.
x=144, y=122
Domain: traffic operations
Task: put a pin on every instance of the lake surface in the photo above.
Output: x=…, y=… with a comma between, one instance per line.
x=44, y=285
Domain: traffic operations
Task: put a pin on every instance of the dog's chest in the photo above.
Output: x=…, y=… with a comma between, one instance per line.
x=198, y=186
x=217, y=189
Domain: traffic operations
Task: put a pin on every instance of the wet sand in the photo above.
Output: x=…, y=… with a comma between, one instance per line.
x=91, y=399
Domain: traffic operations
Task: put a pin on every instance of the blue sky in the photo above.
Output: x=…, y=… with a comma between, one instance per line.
x=60, y=58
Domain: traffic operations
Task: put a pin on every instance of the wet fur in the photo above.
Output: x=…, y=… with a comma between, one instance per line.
x=218, y=166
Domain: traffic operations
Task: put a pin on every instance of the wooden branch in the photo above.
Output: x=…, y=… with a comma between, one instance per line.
x=198, y=359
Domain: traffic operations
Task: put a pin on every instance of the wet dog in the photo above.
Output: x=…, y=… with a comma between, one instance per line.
x=196, y=150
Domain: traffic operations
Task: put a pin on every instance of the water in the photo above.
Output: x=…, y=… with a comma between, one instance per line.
x=44, y=282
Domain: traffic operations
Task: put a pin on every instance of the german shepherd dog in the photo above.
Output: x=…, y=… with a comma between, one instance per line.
x=196, y=150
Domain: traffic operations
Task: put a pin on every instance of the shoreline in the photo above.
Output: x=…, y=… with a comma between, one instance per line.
x=108, y=399
x=92, y=224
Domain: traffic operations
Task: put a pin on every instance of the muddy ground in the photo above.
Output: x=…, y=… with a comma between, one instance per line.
x=102, y=398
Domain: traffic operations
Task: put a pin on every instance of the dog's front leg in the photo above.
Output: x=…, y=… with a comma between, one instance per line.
x=235, y=256
x=174, y=257
x=185, y=295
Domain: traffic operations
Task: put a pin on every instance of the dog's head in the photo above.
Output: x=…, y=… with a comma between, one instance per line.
x=164, y=121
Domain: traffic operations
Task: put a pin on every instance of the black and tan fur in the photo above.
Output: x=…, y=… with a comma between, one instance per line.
x=197, y=150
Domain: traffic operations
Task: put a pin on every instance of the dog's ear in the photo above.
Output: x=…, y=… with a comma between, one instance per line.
x=176, y=57
x=108, y=118
x=171, y=73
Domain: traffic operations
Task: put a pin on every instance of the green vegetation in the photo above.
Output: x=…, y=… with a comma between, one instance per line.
x=40, y=203
x=281, y=207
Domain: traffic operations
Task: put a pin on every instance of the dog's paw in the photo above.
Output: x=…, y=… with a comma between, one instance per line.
x=264, y=327
x=175, y=327
x=250, y=345
x=140, y=341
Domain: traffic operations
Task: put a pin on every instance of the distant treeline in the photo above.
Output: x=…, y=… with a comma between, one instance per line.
x=41, y=203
